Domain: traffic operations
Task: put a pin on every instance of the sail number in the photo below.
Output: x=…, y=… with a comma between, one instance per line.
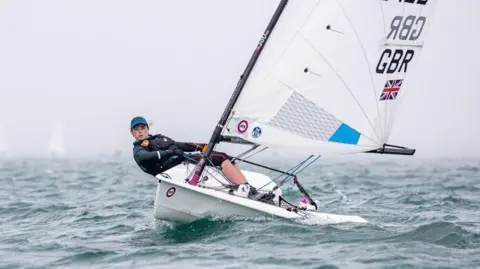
x=420, y=2
x=408, y=28
x=394, y=61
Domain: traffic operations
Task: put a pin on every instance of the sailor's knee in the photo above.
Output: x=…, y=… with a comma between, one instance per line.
x=225, y=162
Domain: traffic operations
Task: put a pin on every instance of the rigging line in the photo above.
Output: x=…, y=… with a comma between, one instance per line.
x=318, y=157
x=298, y=171
x=244, y=153
x=345, y=84
x=253, y=154
x=206, y=170
x=368, y=67
x=291, y=171
x=212, y=175
x=218, y=171
x=286, y=85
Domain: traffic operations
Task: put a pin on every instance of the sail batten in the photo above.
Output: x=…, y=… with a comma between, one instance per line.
x=345, y=87
x=369, y=72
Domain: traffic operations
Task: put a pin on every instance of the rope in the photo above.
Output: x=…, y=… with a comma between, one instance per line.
x=292, y=170
x=219, y=171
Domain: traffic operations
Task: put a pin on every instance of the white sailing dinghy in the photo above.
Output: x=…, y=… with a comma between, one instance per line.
x=3, y=142
x=56, y=146
x=326, y=77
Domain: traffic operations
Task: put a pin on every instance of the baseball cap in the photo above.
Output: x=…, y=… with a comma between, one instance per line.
x=138, y=120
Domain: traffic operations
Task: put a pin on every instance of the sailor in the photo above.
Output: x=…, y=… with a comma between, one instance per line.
x=155, y=154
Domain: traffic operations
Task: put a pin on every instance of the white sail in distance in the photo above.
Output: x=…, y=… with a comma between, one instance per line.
x=3, y=141
x=57, y=141
x=332, y=75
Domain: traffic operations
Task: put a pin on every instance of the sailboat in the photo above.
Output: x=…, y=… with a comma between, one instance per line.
x=56, y=147
x=3, y=142
x=326, y=77
x=116, y=151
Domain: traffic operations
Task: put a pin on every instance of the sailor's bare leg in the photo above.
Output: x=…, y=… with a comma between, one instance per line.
x=233, y=173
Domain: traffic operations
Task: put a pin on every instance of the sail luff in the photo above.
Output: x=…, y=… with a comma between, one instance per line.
x=215, y=138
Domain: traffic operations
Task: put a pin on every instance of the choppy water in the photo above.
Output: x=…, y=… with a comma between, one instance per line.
x=423, y=213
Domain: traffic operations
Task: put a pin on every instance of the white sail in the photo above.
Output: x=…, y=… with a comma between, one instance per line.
x=332, y=74
x=57, y=141
x=3, y=141
x=116, y=149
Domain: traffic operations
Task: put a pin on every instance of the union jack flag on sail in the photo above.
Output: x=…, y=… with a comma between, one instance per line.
x=391, y=89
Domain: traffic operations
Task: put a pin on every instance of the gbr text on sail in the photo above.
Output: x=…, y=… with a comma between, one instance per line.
x=407, y=30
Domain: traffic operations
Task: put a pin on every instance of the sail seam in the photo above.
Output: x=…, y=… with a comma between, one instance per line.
x=369, y=71
x=344, y=83
x=294, y=37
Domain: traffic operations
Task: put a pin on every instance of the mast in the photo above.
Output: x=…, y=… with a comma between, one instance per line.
x=238, y=89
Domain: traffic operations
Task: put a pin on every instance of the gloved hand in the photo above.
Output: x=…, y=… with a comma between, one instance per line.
x=178, y=151
x=200, y=147
x=167, y=153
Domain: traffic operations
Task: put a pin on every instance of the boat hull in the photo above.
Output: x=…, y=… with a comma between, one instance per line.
x=178, y=201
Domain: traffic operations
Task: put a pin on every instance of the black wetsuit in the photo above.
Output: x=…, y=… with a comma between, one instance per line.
x=158, y=153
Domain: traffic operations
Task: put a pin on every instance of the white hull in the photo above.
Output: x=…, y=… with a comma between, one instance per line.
x=179, y=201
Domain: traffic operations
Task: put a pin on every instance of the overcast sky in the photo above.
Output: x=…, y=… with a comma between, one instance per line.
x=94, y=65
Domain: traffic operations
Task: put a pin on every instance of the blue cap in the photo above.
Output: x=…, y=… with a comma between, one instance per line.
x=138, y=120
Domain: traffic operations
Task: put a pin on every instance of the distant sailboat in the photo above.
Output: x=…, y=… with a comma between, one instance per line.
x=3, y=142
x=117, y=152
x=57, y=142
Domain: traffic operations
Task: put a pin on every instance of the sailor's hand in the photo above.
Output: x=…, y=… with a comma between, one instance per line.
x=200, y=147
x=167, y=153
x=178, y=151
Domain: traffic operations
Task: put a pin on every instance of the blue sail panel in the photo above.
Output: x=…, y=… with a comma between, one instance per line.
x=346, y=135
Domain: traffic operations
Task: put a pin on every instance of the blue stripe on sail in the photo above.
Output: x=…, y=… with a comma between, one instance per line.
x=346, y=135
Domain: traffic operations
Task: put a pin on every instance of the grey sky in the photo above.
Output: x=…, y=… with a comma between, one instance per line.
x=96, y=64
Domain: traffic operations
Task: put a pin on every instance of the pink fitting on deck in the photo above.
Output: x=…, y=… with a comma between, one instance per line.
x=195, y=180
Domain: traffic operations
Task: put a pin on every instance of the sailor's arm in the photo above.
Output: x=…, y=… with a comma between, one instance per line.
x=189, y=147
x=143, y=155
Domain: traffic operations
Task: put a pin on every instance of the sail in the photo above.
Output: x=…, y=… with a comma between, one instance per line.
x=57, y=143
x=116, y=149
x=332, y=75
x=3, y=141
